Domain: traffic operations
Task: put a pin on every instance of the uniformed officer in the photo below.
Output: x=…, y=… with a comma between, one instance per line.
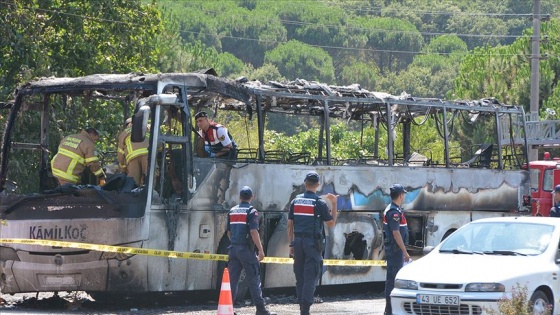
x=243, y=232
x=75, y=152
x=305, y=233
x=555, y=210
x=395, y=233
x=218, y=141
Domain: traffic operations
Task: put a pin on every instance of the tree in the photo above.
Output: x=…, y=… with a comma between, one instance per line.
x=364, y=73
x=295, y=59
x=393, y=42
x=72, y=38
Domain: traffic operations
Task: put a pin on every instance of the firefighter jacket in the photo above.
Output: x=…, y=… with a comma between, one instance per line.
x=134, y=150
x=121, y=150
x=75, y=152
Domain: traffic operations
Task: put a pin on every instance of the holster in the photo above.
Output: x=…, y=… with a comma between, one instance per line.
x=320, y=244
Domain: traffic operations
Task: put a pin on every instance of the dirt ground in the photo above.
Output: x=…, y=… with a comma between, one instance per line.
x=355, y=299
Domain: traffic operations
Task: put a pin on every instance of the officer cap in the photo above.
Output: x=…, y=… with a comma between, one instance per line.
x=312, y=177
x=398, y=188
x=557, y=188
x=246, y=192
x=200, y=114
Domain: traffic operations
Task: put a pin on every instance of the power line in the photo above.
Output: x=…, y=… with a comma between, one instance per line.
x=404, y=32
x=290, y=22
x=309, y=3
x=346, y=48
x=267, y=41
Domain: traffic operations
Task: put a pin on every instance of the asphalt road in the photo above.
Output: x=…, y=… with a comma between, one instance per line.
x=355, y=299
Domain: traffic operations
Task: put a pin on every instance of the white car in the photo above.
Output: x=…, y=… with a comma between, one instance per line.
x=481, y=263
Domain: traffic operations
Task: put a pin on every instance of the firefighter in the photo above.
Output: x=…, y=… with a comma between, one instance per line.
x=133, y=156
x=218, y=142
x=243, y=232
x=395, y=232
x=121, y=145
x=305, y=233
x=75, y=152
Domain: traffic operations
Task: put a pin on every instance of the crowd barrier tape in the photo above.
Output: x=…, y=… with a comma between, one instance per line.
x=178, y=254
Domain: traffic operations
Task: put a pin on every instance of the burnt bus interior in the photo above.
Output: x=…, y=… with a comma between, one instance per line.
x=44, y=111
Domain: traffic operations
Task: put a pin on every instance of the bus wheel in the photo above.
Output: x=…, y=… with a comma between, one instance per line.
x=242, y=285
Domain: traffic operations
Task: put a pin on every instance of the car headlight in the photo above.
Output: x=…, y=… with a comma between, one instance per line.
x=406, y=284
x=485, y=287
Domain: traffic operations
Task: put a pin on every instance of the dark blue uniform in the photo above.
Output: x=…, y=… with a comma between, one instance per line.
x=555, y=210
x=241, y=219
x=308, y=212
x=393, y=220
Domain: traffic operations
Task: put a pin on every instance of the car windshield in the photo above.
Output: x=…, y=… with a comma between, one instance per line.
x=499, y=238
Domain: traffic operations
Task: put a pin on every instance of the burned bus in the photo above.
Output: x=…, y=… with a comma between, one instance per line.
x=184, y=201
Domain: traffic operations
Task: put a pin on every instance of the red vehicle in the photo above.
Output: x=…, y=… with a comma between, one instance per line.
x=545, y=175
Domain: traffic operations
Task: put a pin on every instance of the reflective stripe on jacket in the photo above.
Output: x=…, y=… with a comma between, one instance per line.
x=74, y=153
x=121, y=149
x=135, y=149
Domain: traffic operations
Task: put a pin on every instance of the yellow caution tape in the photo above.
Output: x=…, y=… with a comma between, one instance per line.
x=178, y=254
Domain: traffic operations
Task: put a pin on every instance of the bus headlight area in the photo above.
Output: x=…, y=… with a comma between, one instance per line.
x=7, y=253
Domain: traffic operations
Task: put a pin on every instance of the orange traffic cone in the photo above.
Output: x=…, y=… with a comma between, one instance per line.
x=225, y=303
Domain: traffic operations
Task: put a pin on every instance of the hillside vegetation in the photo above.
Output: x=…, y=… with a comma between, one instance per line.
x=454, y=49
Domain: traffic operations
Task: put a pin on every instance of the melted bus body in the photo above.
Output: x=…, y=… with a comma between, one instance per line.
x=184, y=203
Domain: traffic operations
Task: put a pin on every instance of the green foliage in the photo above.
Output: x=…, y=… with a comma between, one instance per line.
x=505, y=72
x=295, y=59
x=391, y=40
x=518, y=304
x=446, y=44
x=363, y=73
x=73, y=38
x=266, y=73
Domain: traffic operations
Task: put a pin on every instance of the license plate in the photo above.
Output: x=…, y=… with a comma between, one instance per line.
x=438, y=299
x=58, y=280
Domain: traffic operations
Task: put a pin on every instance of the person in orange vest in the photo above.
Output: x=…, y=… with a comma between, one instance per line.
x=218, y=141
x=133, y=156
x=75, y=152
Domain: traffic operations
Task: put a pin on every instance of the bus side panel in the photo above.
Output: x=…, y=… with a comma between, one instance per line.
x=189, y=231
x=367, y=188
x=363, y=191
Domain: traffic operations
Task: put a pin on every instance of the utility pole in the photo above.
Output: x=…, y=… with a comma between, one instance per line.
x=535, y=73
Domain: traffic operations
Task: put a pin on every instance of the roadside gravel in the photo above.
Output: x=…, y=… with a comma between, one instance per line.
x=355, y=299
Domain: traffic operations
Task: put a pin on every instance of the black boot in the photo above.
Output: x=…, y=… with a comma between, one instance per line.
x=304, y=309
x=261, y=310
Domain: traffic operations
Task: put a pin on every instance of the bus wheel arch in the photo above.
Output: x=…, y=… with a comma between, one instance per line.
x=449, y=232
